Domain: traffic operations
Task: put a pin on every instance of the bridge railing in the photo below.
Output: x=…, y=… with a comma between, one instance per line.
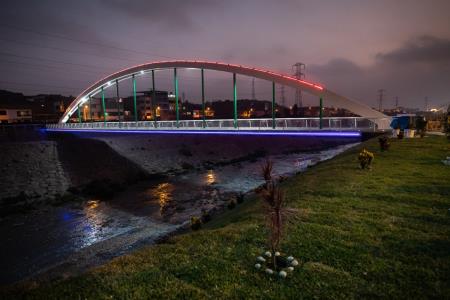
x=329, y=123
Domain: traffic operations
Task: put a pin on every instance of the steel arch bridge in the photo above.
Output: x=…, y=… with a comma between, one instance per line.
x=379, y=120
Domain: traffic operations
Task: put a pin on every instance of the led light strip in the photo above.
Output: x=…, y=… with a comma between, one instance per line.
x=218, y=132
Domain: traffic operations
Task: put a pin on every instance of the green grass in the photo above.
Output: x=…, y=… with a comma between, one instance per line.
x=380, y=233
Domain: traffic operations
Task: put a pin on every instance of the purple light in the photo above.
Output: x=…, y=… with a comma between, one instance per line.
x=218, y=132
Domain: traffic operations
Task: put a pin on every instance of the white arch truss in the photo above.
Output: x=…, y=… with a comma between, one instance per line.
x=382, y=121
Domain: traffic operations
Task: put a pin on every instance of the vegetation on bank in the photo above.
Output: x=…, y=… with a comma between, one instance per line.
x=360, y=233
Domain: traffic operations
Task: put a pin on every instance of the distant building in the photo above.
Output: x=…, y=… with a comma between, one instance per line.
x=198, y=113
x=10, y=115
x=44, y=108
x=123, y=108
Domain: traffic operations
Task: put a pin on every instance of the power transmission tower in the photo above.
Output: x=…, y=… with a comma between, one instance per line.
x=283, y=97
x=253, y=89
x=426, y=103
x=380, y=99
x=299, y=73
x=396, y=101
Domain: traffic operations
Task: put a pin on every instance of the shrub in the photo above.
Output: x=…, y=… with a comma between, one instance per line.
x=384, y=143
x=267, y=171
x=365, y=159
x=274, y=202
x=196, y=223
x=421, y=126
x=240, y=198
x=206, y=217
x=231, y=204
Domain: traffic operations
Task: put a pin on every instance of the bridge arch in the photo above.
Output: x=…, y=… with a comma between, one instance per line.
x=382, y=121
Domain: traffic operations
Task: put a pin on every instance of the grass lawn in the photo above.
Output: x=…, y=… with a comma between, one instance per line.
x=380, y=233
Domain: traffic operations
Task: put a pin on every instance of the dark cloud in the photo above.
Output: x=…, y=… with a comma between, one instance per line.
x=423, y=49
x=398, y=72
x=170, y=15
x=42, y=23
x=261, y=33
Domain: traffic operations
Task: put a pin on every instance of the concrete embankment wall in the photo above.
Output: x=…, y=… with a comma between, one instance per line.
x=157, y=153
x=38, y=168
x=32, y=170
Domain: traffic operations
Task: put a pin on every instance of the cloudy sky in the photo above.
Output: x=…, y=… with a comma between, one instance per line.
x=353, y=47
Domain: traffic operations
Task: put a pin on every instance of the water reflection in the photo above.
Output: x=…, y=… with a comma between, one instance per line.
x=91, y=204
x=163, y=193
x=210, y=177
x=92, y=227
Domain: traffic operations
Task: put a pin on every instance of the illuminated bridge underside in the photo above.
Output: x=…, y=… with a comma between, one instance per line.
x=330, y=98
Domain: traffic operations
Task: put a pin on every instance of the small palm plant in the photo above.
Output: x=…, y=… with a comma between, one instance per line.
x=274, y=201
x=365, y=159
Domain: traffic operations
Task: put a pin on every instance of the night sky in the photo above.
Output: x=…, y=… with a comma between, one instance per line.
x=353, y=47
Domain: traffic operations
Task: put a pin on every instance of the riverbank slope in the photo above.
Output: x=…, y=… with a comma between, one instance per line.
x=374, y=233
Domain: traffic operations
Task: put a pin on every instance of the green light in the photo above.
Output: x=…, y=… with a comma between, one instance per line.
x=321, y=114
x=203, y=97
x=175, y=83
x=154, y=97
x=118, y=97
x=235, y=100
x=90, y=109
x=103, y=105
x=134, y=98
x=273, y=105
x=79, y=114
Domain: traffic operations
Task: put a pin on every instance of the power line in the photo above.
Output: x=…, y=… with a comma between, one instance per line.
x=253, y=89
x=380, y=99
x=37, y=84
x=50, y=60
x=35, y=90
x=52, y=35
x=66, y=50
x=45, y=66
x=283, y=97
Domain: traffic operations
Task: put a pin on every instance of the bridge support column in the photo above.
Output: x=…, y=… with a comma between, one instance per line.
x=154, y=98
x=90, y=109
x=321, y=113
x=134, y=98
x=79, y=113
x=118, y=99
x=175, y=84
x=203, y=97
x=273, y=105
x=103, y=106
x=234, y=101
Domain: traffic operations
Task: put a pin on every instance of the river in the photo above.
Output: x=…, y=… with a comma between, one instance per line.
x=73, y=237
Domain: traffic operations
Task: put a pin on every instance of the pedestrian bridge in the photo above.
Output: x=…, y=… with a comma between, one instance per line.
x=368, y=120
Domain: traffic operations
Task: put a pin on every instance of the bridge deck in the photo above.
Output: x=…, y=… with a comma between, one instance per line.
x=280, y=124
